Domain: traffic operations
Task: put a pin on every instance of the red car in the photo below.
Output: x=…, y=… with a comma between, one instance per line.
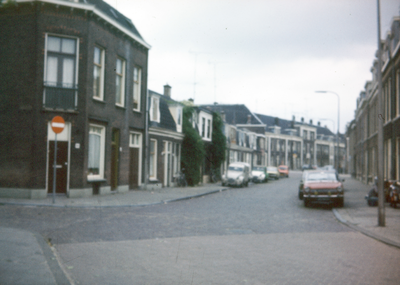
x=283, y=171
x=323, y=186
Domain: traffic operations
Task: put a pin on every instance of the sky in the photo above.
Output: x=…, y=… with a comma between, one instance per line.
x=270, y=55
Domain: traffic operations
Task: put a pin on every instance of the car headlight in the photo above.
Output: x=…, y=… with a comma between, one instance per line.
x=307, y=189
x=339, y=189
x=240, y=177
x=262, y=176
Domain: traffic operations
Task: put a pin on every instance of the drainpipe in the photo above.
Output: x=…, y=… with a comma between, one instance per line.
x=146, y=144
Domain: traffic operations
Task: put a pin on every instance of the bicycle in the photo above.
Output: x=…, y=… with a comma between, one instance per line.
x=181, y=179
x=215, y=175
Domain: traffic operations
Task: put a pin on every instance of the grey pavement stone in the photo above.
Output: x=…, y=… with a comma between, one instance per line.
x=282, y=258
x=25, y=258
x=357, y=214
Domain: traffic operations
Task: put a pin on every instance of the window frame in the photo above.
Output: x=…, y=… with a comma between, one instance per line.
x=154, y=159
x=137, y=86
x=91, y=177
x=152, y=109
x=122, y=77
x=101, y=66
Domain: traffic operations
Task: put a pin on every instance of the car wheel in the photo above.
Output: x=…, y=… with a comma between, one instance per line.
x=340, y=203
x=300, y=195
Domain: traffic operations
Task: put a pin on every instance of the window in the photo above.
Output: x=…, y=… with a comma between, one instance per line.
x=312, y=135
x=135, y=140
x=179, y=116
x=305, y=134
x=154, y=110
x=120, y=82
x=60, y=74
x=98, y=73
x=96, y=152
x=208, y=128
x=153, y=159
x=137, y=83
x=203, y=127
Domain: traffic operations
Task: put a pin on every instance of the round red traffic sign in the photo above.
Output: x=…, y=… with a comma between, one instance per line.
x=57, y=124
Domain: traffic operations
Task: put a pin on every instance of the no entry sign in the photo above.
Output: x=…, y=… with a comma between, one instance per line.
x=57, y=124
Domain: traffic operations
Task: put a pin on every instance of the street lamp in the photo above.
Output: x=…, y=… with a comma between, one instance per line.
x=338, y=124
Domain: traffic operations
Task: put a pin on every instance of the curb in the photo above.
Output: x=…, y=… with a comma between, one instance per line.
x=114, y=206
x=364, y=231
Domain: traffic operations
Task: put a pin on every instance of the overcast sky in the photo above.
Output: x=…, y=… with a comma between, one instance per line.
x=269, y=55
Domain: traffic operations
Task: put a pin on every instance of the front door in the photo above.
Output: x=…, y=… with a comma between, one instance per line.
x=61, y=167
x=114, y=159
x=134, y=168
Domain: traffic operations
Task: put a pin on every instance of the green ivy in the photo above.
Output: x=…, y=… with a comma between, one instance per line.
x=218, y=144
x=193, y=151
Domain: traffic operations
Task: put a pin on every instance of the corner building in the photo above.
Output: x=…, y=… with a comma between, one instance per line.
x=86, y=62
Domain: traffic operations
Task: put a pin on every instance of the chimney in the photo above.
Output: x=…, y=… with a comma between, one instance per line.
x=249, y=119
x=302, y=119
x=293, y=118
x=191, y=100
x=167, y=91
x=311, y=122
x=223, y=117
x=319, y=124
x=326, y=126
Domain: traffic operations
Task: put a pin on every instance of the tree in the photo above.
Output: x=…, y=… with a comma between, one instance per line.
x=218, y=144
x=192, y=148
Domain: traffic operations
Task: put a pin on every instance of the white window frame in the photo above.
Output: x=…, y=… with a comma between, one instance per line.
x=152, y=100
x=121, y=103
x=209, y=128
x=135, y=141
x=102, y=152
x=76, y=62
x=154, y=176
x=137, y=83
x=101, y=66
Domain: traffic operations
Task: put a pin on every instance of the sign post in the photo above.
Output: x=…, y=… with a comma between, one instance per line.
x=57, y=125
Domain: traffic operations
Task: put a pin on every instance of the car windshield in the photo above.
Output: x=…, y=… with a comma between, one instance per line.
x=271, y=168
x=235, y=168
x=258, y=169
x=321, y=176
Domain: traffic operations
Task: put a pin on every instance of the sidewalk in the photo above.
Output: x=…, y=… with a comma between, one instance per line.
x=359, y=216
x=134, y=198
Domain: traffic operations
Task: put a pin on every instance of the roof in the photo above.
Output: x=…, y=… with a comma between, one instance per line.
x=166, y=119
x=235, y=114
x=114, y=14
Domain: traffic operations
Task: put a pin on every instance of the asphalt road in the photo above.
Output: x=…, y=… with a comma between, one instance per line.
x=257, y=235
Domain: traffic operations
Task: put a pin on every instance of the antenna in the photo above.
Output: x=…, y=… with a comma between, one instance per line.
x=196, y=53
x=215, y=77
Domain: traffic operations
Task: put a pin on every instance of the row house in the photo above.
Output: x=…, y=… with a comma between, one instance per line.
x=362, y=132
x=86, y=62
x=278, y=141
x=165, y=138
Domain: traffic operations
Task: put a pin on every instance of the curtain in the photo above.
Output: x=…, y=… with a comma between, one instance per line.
x=94, y=153
x=68, y=72
x=51, y=70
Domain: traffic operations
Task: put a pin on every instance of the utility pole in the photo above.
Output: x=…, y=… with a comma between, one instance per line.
x=381, y=204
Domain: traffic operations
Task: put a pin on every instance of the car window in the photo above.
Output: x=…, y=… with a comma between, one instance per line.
x=235, y=168
x=321, y=176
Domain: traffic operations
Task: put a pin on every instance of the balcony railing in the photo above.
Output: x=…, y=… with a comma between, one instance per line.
x=60, y=96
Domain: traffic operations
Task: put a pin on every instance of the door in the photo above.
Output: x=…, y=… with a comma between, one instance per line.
x=114, y=159
x=61, y=167
x=134, y=168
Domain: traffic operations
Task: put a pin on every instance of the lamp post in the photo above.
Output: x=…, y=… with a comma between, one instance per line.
x=338, y=124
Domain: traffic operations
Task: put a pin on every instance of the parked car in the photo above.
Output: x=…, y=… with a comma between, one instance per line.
x=283, y=170
x=260, y=174
x=301, y=186
x=307, y=167
x=238, y=174
x=273, y=172
x=323, y=186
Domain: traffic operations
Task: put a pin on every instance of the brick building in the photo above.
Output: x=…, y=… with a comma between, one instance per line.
x=82, y=60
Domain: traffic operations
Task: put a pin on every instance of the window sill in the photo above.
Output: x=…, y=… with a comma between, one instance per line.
x=120, y=107
x=136, y=111
x=59, y=110
x=98, y=100
x=96, y=180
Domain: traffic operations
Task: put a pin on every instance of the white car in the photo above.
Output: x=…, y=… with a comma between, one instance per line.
x=238, y=174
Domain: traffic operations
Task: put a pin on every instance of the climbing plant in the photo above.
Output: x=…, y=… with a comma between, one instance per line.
x=192, y=148
x=218, y=143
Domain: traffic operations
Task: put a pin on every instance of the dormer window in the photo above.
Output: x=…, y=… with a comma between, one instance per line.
x=154, y=109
